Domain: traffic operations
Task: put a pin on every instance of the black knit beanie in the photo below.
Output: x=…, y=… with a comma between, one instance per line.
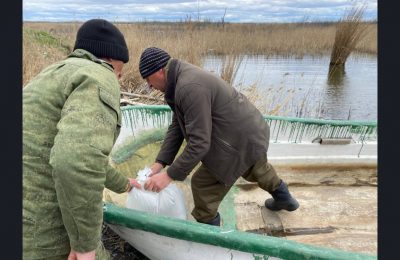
x=151, y=60
x=102, y=39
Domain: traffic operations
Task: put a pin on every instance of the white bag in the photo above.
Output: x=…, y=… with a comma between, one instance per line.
x=168, y=202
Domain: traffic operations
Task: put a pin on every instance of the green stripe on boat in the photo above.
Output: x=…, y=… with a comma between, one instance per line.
x=211, y=235
x=360, y=131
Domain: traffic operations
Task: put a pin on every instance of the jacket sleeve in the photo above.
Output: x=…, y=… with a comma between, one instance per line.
x=115, y=180
x=196, y=107
x=172, y=142
x=79, y=159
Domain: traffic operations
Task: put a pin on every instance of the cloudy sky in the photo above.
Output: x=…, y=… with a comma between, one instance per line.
x=176, y=10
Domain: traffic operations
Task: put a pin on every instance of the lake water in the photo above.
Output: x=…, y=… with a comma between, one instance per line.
x=301, y=87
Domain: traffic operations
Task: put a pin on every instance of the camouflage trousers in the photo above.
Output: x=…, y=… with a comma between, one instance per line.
x=101, y=254
x=208, y=192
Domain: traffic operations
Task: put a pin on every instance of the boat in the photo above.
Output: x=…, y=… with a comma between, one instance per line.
x=329, y=165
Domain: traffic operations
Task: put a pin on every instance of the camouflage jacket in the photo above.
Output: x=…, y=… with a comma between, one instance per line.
x=71, y=119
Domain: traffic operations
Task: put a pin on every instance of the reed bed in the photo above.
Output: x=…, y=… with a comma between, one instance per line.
x=45, y=43
x=350, y=30
x=230, y=66
x=190, y=41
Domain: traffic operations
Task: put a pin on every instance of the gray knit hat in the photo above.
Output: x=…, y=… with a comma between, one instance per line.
x=151, y=60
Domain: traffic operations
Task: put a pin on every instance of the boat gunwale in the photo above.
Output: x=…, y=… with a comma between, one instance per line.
x=212, y=235
x=166, y=108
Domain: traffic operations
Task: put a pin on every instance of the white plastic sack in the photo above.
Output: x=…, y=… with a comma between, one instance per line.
x=168, y=202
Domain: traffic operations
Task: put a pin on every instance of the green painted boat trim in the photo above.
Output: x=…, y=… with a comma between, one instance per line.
x=211, y=235
x=323, y=121
x=125, y=151
x=165, y=108
x=227, y=211
x=155, y=108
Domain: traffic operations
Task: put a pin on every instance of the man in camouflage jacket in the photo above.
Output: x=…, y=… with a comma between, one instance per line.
x=71, y=119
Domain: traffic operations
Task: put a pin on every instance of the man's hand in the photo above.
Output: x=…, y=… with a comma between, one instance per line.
x=133, y=183
x=73, y=255
x=158, y=182
x=155, y=168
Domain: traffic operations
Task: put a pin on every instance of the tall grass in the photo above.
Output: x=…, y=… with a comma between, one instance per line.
x=45, y=43
x=190, y=41
x=230, y=66
x=350, y=31
x=40, y=49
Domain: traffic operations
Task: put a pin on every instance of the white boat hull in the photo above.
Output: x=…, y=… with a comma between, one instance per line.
x=157, y=247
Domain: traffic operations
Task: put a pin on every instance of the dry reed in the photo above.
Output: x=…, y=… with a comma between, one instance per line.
x=230, y=66
x=349, y=33
x=190, y=41
x=38, y=52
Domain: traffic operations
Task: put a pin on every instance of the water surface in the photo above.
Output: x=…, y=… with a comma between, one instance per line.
x=301, y=87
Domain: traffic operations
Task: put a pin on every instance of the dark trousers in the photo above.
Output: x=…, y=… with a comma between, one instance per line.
x=208, y=192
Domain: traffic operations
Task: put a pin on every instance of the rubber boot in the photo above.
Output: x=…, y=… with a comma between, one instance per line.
x=281, y=199
x=215, y=221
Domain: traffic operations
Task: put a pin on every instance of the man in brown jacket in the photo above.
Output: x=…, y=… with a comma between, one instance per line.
x=223, y=130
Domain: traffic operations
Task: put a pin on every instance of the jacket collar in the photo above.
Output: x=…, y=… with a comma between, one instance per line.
x=171, y=73
x=84, y=54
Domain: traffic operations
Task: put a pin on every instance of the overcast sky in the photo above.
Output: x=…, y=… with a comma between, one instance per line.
x=175, y=10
